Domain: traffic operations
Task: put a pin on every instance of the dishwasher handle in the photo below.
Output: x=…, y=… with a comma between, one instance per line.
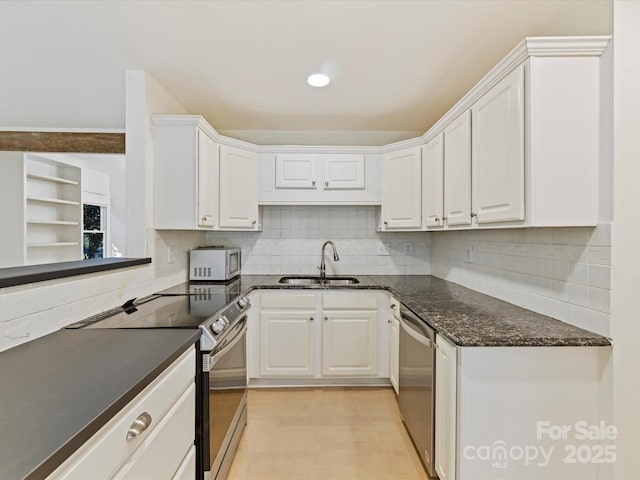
x=417, y=329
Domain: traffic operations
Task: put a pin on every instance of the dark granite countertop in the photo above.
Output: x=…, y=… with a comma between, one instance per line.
x=58, y=390
x=465, y=317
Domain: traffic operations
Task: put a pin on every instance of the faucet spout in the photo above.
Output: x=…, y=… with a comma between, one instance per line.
x=322, y=267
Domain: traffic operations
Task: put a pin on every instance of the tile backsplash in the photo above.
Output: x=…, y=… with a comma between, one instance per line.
x=561, y=272
x=292, y=237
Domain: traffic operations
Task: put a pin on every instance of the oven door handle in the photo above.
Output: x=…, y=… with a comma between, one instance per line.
x=426, y=341
x=216, y=356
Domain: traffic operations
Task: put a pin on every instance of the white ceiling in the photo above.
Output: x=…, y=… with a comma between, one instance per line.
x=396, y=66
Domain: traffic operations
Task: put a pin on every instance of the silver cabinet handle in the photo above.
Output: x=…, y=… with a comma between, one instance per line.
x=326, y=318
x=139, y=425
x=313, y=183
x=15, y=337
x=253, y=222
x=437, y=220
x=473, y=214
x=386, y=223
x=311, y=318
x=389, y=321
x=326, y=183
x=393, y=305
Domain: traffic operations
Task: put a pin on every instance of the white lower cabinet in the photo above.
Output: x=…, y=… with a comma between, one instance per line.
x=318, y=335
x=498, y=410
x=158, y=451
x=187, y=468
x=350, y=343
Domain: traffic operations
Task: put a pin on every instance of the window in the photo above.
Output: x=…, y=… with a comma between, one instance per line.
x=94, y=230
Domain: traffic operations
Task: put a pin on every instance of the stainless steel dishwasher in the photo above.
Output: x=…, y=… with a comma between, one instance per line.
x=416, y=384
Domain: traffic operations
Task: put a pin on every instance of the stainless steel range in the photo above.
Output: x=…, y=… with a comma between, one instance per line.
x=221, y=403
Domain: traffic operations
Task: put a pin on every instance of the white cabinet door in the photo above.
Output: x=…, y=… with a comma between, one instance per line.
x=287, y=343
x=208, y=165
x=497, y=155
x=394, y=352
x=402, y=189
x=349, y=343
x=238, y=188
x=446, y=409
x=297, y=171
x=433, y=182
x=343, y=172
x=457, y=171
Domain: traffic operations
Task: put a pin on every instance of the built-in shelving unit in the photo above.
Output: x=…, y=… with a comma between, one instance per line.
x=46, y=220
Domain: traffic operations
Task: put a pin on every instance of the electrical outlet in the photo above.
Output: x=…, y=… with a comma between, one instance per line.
x=170, y=256
x=384, y=248
x=408, y=248
x=468, y=254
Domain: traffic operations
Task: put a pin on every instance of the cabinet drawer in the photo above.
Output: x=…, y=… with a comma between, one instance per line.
x=350, y=301
x=299, y=301
x=162, y=452
x=187, y=469
x=109, y=448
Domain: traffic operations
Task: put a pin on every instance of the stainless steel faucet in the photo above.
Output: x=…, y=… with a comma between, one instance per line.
x=322, y=267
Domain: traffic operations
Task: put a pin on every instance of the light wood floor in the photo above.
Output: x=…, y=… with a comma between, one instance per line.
x=325, y=434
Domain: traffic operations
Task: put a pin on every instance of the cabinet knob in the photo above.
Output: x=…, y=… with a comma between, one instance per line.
x=326, y=183
x=437, y=219
x=313, y=183
x=393, y=305
x=389, y=321
x=473, y=214
x=386, y=223
x=253, y=222
x=326, y=318
x=311, y=318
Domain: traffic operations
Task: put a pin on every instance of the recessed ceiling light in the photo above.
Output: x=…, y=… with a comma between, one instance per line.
x=318, y=80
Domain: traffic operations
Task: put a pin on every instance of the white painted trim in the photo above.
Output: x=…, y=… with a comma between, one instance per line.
x=593, y=46
x=319, y=149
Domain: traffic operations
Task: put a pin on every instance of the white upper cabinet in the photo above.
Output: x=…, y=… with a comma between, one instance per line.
x=497, y=151
x=402, y=189
x=297, y=171
x=457, y=171
x=208, y=171
x=199, y=184
x=319, y=178
x=343, y=172
x=432, y=185
x=528, y=145
x=238, y=188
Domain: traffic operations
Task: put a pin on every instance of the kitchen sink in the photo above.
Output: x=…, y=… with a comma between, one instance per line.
x=319, y=281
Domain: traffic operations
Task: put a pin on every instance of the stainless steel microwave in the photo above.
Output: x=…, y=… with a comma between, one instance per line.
x=214, y=263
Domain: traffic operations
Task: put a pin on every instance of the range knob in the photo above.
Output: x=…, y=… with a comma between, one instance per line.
x=217, y=327
x=243, y=302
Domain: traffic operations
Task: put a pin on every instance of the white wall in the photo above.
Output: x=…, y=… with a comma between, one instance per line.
x=292, y=238
x=626, y=238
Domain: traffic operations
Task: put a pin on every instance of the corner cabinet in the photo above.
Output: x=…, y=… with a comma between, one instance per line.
x=402, y=190
x=238, y=188
x=162, y=448
x=198, y=183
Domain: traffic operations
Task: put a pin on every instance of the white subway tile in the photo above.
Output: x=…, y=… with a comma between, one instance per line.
x=578, y=294
x=600, y=299
x=600, y=276
x=560, y=236
x=601, y=235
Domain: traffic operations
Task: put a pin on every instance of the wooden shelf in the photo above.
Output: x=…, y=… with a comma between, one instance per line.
x=52, y=222
x=47, y=178
x=53, y=244
x=52, y=200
